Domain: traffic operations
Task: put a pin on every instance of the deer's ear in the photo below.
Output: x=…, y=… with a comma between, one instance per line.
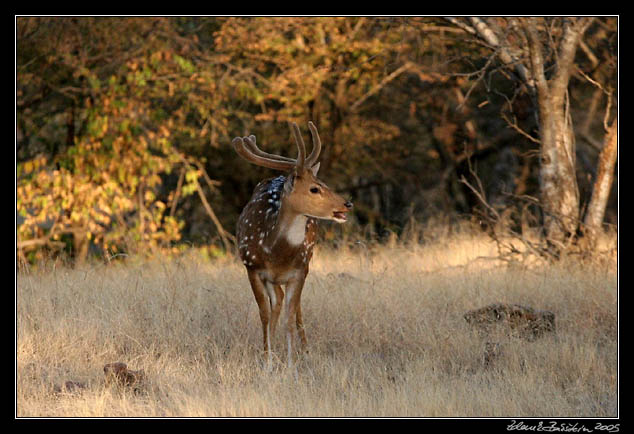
x=315, y=169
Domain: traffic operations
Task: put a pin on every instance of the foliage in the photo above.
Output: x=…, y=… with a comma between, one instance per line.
x=124, y=123
x=102, y=182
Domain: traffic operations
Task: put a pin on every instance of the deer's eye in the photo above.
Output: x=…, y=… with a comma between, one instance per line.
x=314, y=190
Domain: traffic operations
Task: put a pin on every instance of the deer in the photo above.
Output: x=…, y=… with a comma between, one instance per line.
x=277, y=230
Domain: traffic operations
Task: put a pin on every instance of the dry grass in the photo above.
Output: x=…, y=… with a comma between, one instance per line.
x=385, y=327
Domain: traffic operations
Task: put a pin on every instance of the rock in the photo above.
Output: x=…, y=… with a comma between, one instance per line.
x=69, y=387
x=119, y=374
x=513, y=319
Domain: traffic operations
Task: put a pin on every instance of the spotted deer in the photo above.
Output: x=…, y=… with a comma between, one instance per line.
x=276, y=232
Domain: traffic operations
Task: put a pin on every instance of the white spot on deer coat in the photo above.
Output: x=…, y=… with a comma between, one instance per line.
x=296, y=230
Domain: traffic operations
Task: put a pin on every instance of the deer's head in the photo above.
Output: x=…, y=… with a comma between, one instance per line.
x=303, y=193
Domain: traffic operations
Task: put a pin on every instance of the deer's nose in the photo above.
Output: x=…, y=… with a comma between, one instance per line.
x=348, y=204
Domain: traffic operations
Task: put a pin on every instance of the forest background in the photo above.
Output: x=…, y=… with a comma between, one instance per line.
x=124, y=126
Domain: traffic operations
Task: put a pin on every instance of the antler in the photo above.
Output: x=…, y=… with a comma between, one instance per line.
x=247, y=149
x=248, y=154
x=314, y=155
x=253, y=147
x=301, y=148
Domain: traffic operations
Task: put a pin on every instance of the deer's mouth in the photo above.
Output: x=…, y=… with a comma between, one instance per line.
x=339, y=216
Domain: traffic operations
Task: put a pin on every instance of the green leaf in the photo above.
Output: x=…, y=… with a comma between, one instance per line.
x=184, y=64
x=191, y=176
x=94, y=82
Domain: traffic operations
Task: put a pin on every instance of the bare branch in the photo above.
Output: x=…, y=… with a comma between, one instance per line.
x=591, y=80
x=536, y=56
x=380, y=85
x=488, y=35
x=179, y=186
x=23, y=244
x=519, y=130
x=224, y=235
x=480, y=75
x=506, y=250
x=607, y=112
x=485, y=31
x=480, y=196
x=589, y=54
x=221, y=231
x=568, y=47
x=479, y=192
x=455, y=21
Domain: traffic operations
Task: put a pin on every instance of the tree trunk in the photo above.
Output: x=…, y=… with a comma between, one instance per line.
x=558, y=182
x=602, y=186
x=80, y=246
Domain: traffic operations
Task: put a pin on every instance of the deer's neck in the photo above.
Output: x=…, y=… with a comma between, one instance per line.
x=295, y=230
x=290, y=228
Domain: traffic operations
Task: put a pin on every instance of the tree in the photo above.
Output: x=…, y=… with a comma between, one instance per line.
x=120, y=119
x=99, y=104
x=541, y=54
x=605, y=174
x=364, y=81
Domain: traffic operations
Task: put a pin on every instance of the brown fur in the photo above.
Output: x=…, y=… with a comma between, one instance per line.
x=277, y=229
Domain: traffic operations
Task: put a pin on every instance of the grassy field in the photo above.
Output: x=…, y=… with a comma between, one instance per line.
x=385, y=328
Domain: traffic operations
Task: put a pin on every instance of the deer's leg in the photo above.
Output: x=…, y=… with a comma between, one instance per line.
x=276, y=294
x=300, y=326
x=259, y=291
x=291, y=300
